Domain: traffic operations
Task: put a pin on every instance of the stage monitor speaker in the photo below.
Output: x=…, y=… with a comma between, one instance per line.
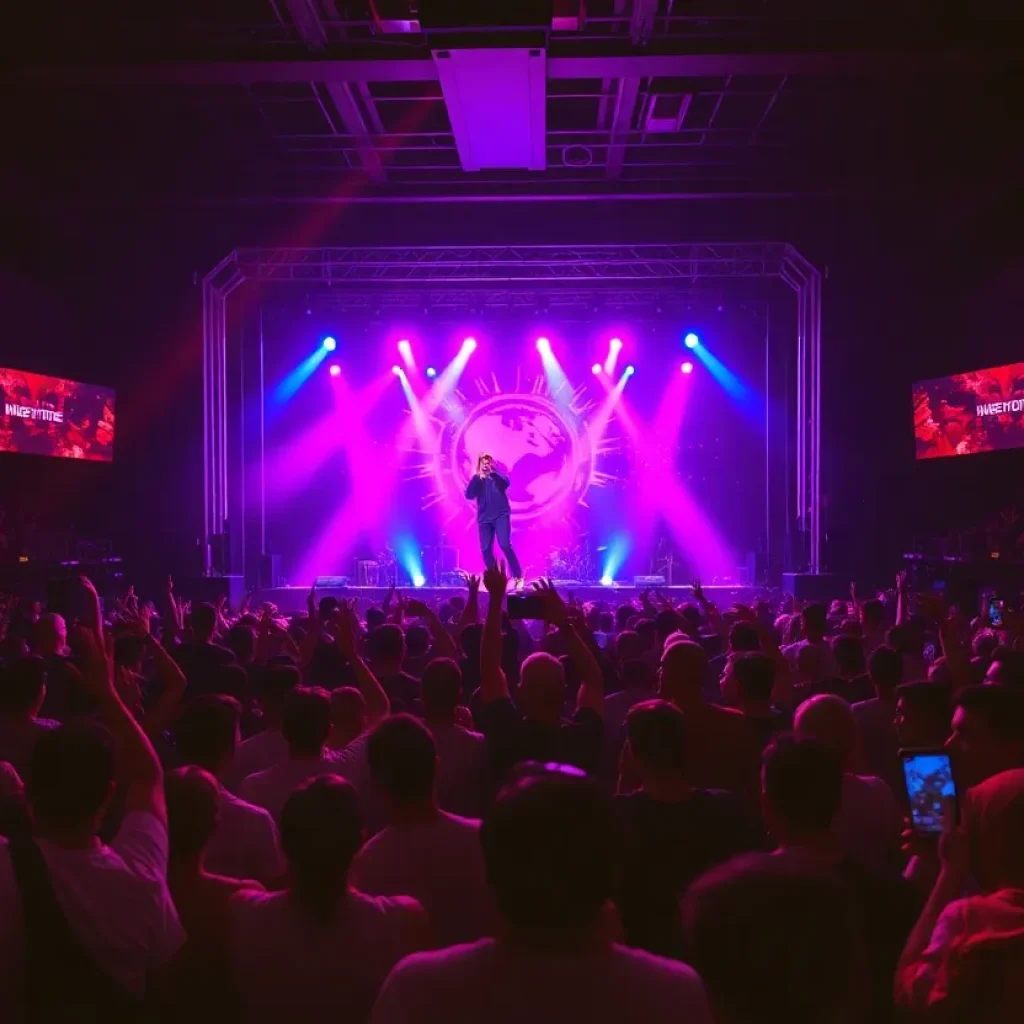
x=805, y=586
x=212, y=588
x=270, y=571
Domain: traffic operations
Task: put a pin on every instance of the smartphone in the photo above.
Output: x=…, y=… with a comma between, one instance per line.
x=996, y=608
x=525, y=606
x=928, y=775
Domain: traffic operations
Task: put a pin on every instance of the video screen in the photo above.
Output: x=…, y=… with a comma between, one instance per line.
x=980, y=411
x=41, y=415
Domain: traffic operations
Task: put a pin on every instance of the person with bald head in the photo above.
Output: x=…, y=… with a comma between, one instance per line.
x=532, y=728
x=723, y=748
x=868, y=825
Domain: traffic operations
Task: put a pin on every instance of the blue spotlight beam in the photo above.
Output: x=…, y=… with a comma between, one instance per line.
x=615, y=555
x=731, y=384
x=558, y=383
x=294, y=380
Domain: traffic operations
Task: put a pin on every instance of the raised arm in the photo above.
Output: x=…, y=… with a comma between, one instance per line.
x=346, y=639
x=172, y=689
x=902, y=598
x=471, y=612
x=443, y=644
x=136, y=761
x=591, y=692
x=493, y=684
x=501, y=479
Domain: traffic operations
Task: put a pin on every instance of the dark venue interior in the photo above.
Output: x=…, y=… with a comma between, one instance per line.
x=708, y=313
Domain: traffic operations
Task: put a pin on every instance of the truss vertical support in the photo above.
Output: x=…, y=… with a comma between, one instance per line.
x=805, y=279
x=216, y=288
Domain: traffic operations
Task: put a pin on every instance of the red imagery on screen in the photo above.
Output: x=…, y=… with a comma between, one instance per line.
x=980, y=411
x=42, y=415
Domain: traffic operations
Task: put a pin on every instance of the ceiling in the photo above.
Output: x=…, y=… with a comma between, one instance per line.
x=313, y=100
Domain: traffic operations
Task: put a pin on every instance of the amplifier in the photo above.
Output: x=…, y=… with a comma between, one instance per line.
x=648, y=581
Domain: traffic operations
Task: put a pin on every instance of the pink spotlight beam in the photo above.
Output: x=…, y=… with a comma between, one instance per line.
x=614, y=348
x=405, y=351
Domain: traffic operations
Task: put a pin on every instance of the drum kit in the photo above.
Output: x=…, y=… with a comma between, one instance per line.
x=575, y=562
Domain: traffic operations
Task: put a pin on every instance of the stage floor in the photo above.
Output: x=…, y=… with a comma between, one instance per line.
x=293, y=599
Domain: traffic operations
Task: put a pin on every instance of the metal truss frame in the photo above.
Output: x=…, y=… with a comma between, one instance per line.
x=429, y=272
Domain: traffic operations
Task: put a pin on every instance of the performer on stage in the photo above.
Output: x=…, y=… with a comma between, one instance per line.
x=493, y=514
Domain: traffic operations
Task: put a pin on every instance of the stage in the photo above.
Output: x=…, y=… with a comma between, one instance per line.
x=292, y=600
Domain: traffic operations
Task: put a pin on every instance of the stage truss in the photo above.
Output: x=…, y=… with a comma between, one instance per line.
x=627, y=274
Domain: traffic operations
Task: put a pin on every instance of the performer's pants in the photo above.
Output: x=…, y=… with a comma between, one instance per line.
x=502, y=529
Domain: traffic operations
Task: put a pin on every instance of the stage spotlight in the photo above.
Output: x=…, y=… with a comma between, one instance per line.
x=630, y=370
x=396, y=370
x=469, y=344
x=419, y=580
x=615, y=343
x=335, y=370
x=596, y=368
x=607, y=581
x=431, y=372
x=329, y=343
x=687, y=367
x=691, y=341
x=405, y=351
x=543, y=345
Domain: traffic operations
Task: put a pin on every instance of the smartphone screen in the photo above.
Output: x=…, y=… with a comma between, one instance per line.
x=929, y=779
x=525, y=606
x=995, y=612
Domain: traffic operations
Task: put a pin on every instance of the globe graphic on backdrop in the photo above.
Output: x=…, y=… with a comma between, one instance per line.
x=534, y=441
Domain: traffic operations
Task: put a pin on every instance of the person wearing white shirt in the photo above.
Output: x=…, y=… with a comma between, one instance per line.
x=305, y=726
x=424, y=852
x=113, y=901
x=273, y=684
x=552, y=856
x=321, y=949
x=463, y=763
x=245, y=842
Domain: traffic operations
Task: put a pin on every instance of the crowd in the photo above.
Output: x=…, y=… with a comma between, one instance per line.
x=632, y=811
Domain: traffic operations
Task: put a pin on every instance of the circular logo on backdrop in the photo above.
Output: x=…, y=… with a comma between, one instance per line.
x=542, y=446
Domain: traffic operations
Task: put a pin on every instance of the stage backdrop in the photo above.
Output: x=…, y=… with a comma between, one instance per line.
x=608, y=470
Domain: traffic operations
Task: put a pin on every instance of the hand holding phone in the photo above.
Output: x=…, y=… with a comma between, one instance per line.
x=996, y=610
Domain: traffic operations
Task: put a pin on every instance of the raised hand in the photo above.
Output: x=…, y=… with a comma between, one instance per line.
x=496, y=580
x=346, y=636
x=416, y=608
x=698, y=592
x=311, y=602
x=553, y=607
x=901, y=581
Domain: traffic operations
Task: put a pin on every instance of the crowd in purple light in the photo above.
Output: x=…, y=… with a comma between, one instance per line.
x=637, y=809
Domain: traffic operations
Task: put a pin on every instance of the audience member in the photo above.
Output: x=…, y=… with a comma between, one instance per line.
x=1006, y=668
x=923, y=712
x=743, y=639
x=201, y=658
x=424, y=852
x=872, y=620
x=89, y=923
x=802, y=792
x=385, y=647
x=851, y=681
x=305, y=726
x=552, y=852
x=869, y=823
x=722, y=746
x=814, y=620
x=964, y=960
x=876, y=719
x=673, y=832
x=987, y=734
x=463, y=769
x=535, y=731
x=272, y=685
x=320, y=948
x=775, y=939
x=752, y=676
x=22, y=693
x=244, y=843
x=64, y=693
